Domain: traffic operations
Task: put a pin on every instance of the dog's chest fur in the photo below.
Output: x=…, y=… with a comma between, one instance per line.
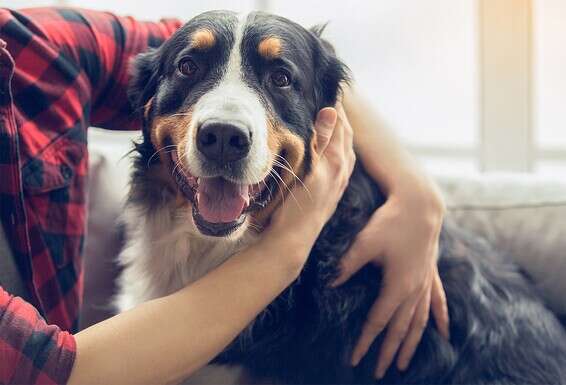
x=163, y=255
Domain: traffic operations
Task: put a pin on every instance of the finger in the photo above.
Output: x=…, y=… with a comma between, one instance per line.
x=396, y=333
x=324, y=128
x=379, y=315
x=348, y=130
x=440, y=307
x=418, y=325
x=357, y=256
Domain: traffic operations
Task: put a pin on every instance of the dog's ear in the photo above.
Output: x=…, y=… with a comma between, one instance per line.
x=144, y=78
x=331, y=73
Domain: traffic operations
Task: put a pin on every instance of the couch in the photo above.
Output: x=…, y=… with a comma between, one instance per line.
x=522, y=214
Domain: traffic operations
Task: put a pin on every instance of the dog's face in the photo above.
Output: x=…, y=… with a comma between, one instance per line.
x=231, y=101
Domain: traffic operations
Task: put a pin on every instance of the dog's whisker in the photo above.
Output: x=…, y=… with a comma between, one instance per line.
x=284, y=160
x=255, y=226
x=268, y=189
x=287, y=167
x=157, y=152
x=289, y=190
x=178, y=163
x=273, y=175
x=277, y=163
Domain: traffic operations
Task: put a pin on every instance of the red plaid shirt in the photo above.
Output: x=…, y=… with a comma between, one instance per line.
x=61, y=70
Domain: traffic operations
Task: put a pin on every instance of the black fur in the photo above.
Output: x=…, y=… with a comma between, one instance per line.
x=501, y=333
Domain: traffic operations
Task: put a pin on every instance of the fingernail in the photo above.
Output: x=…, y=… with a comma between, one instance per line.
x=337, y=282
x=356, y=358
x=327, y=116
x=379, y=374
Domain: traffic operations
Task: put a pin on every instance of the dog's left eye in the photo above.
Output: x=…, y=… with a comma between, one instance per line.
x=188, y=67
x=281, y=78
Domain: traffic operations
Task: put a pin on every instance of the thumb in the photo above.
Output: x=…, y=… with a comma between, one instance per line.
x=324, y=128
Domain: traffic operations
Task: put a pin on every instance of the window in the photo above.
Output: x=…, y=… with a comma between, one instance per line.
x=550, y=85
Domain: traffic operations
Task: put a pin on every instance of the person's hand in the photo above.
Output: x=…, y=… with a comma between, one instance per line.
x=401, y=237
x=310, y=204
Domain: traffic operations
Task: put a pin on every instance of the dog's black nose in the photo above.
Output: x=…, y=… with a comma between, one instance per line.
x=223, y=142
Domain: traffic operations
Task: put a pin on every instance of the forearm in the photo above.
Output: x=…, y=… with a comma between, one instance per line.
x=167, y=339
x=383, y=155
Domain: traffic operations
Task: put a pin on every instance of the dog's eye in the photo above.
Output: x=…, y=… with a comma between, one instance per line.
x=281, y=78
x=187, y=67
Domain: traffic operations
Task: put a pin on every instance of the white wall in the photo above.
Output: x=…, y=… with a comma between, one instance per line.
x=26, y=3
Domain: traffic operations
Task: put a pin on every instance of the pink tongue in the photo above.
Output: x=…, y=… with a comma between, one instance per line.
x=221, y=201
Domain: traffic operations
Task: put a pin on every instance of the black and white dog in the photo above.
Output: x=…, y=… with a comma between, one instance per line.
x=228, y=105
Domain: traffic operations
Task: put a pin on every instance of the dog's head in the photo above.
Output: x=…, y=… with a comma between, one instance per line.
x=228, y=106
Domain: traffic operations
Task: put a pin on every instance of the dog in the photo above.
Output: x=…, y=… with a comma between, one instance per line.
x=228, y=105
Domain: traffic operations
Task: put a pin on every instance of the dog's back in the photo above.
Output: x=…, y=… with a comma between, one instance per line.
x=500, y=330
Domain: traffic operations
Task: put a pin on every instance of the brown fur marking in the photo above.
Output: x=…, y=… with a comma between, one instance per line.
x=173, y=127
x=270, y=48
x=281, y=139
x=203, y=39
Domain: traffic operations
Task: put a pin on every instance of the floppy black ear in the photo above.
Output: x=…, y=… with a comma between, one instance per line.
x=144, y=79
x=331, y=73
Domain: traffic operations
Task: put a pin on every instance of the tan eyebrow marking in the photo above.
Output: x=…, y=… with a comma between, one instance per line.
x=270, y=47
x=203, y=39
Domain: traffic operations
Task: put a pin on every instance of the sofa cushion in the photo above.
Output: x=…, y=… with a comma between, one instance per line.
x=524, y=216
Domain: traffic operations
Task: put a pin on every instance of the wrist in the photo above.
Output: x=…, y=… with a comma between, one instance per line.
x=421, y=195
x=288, y=250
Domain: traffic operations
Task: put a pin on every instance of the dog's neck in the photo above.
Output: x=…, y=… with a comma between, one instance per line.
x=180, y=251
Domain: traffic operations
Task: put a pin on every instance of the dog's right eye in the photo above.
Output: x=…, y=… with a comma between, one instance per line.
x=188, y=67
x=281, y=78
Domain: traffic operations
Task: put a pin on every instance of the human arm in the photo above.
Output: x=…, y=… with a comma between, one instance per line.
x=94, y=50
x=167, y=339
x=31, y=351
x=402, y=237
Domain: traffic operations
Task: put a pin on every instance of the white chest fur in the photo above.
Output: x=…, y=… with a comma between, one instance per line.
x=164, y=253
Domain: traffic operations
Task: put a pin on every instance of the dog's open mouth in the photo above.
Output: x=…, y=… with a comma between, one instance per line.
x=220, y=206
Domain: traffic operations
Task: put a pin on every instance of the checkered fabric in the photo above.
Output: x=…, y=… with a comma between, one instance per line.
x=61, y=71
x=31, y=351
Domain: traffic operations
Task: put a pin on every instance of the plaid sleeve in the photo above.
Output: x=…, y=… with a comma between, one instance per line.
x=32, y=352
x=102, y=45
